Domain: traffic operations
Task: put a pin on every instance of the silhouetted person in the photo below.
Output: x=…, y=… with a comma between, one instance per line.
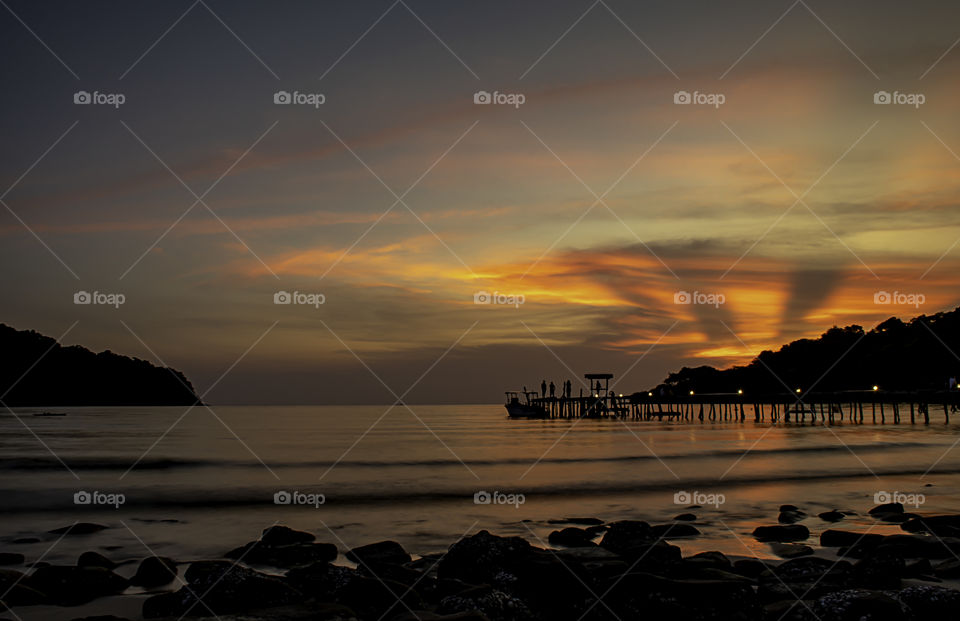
x=543, y=388
x=599, y=388
x=553, y=389
x=567, y=389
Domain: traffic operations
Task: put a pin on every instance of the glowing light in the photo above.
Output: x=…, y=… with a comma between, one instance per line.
x=691, y=392
x=740, y=392
x=649, y=394
x=876, y=388
x=798, y=390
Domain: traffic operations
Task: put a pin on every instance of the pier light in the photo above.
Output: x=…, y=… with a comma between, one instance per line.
x=798, y=390
x=691, y=392
x=740, y=392
x=621, y=394
x=876, y=388
x=649, y=394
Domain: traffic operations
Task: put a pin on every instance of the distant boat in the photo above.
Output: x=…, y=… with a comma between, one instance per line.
x=49, y=413
x=520, y=409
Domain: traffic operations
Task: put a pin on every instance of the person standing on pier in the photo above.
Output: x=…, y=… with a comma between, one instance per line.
x=543, y=388
x=553, y=390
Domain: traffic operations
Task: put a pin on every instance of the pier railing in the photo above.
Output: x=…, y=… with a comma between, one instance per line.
x=854, y=406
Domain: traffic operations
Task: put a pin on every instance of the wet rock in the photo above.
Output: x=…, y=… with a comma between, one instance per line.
x=890, y=507
x=95, y=559
x=571, y=537
x=790, y=517
x=155, y=571
x=859, y=605
x=948, y=569
x=286, y=556
x=380, y=552
x=784, y=508
x=918, y=569
x=11, y=558
x=375, y=598
x=749, y=567
x=708, y=560
x=322, y=580
x=284, y=536
x=831, y=516
x=782, y=533
x=639, y=595
x=71, y=586
x=879, y=571
x=940, y=525
x=843, y=538
x=813, y=568
x=16, y=592
x=495, y=605
x=80, y=528
x=670, y=531
x=598, y=562
x=930, y=602
x=626, y=534
x=223, y=588
x=790, y=550
x=480, y=558
x=685, y=517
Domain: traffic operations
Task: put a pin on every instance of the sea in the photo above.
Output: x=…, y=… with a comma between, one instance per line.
x=193, y=483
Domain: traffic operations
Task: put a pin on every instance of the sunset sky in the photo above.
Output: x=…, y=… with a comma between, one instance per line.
x=598, y=199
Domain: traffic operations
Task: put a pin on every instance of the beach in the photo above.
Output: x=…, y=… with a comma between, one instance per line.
x=432, y=477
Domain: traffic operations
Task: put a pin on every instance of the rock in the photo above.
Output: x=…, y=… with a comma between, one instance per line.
x=626, y=534
x=843, y=538
x=858, y=605
x=685, y=517
x=708, y=560
x=495, y=605
x=16, y=592
x=478, y=559
x=670, y=531
x=80, y=528
x=879, y=571
x=71, y=586
x=224, y=588
x=154, y=571
x=790, y=550
x=790, y=517
x=23, y=540
x=95, y=559
x=749, y=567
x=890, y=507
x=948, y=569
x=930, y=602
x=831, y=516
x=320, y=580
x=639, y=595
x=918, y=569
x=811, y=568
x=571, y=537
x=287, y=556
x=598, y=562
x=374, y=598
x=102, y=618
x=784, y=508
x=792, y=532
x=380, y=552
x=11, y=558
x=284, y=536
x=940, y=525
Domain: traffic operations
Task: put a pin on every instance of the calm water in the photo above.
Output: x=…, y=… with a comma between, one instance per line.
x=201, y=488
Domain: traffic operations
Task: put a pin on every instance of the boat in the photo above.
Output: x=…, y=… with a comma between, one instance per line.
x=523, y=409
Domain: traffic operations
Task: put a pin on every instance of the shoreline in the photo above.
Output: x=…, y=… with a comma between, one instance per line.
x=585, y=569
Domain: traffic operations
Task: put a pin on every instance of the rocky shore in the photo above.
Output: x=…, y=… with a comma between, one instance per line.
x=593, y=571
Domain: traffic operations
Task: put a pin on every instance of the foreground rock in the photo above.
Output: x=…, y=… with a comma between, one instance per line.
x=284, y=547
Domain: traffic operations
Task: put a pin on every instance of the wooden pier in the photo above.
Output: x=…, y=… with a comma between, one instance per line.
x=855, y=406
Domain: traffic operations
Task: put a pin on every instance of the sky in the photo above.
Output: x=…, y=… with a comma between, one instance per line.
x=608, y=225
